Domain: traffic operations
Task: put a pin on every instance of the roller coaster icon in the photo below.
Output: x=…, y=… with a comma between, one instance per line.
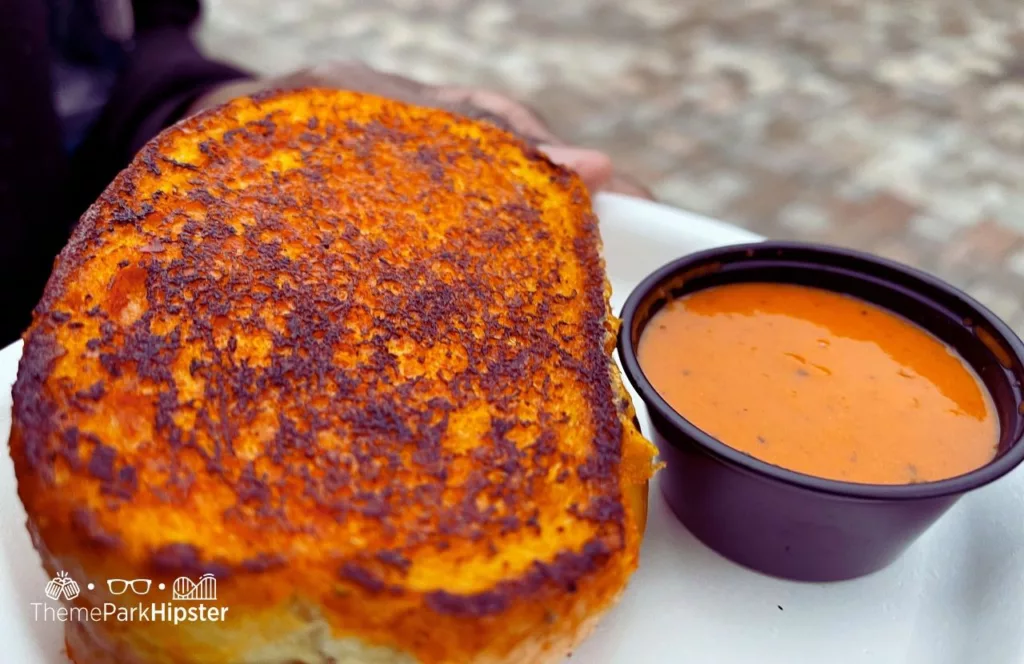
x=187, y=590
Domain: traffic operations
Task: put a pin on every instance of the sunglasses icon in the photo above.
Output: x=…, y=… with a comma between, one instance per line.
x=121, y=586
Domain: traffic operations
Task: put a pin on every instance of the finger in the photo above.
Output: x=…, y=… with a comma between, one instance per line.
x=520, y=117
x=593, y=167
x=358, y=77
x=619, y=184
x=221, y=94
x=474, y=112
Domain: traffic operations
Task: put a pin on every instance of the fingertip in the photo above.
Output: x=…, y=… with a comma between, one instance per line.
x=593, y=167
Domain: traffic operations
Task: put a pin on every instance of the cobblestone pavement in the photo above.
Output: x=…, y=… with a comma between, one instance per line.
x=896, y=127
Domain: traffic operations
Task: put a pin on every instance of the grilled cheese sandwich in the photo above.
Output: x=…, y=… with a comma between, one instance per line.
x=352, y=358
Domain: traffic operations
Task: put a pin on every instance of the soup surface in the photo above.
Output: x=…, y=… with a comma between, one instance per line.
x=820, y=383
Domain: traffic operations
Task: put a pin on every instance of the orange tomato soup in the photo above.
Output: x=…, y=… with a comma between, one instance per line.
x=820, y=383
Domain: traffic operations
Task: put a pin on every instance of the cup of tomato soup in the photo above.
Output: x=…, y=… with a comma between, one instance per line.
x=818, y=408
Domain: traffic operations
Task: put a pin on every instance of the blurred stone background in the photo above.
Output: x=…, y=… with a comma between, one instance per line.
x=896, y=127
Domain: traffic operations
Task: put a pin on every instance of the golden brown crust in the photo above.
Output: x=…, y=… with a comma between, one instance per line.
x=328, y=346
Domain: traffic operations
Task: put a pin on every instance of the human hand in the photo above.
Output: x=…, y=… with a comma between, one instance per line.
x=594, y=167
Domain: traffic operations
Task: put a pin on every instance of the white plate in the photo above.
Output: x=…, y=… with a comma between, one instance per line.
x=956, y=597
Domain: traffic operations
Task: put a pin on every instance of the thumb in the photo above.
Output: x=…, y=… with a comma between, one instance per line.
x=593, y=167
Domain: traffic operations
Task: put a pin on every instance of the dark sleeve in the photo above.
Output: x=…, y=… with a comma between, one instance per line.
x=33, y=165
x=164, y=73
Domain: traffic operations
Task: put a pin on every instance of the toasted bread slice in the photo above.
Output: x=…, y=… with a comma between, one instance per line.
x=352, y=358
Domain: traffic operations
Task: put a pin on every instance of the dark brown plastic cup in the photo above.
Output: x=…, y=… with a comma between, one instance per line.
x=789, y=524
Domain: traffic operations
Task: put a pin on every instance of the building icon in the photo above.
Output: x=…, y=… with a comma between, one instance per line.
x=62, y=586
x=187, y=590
